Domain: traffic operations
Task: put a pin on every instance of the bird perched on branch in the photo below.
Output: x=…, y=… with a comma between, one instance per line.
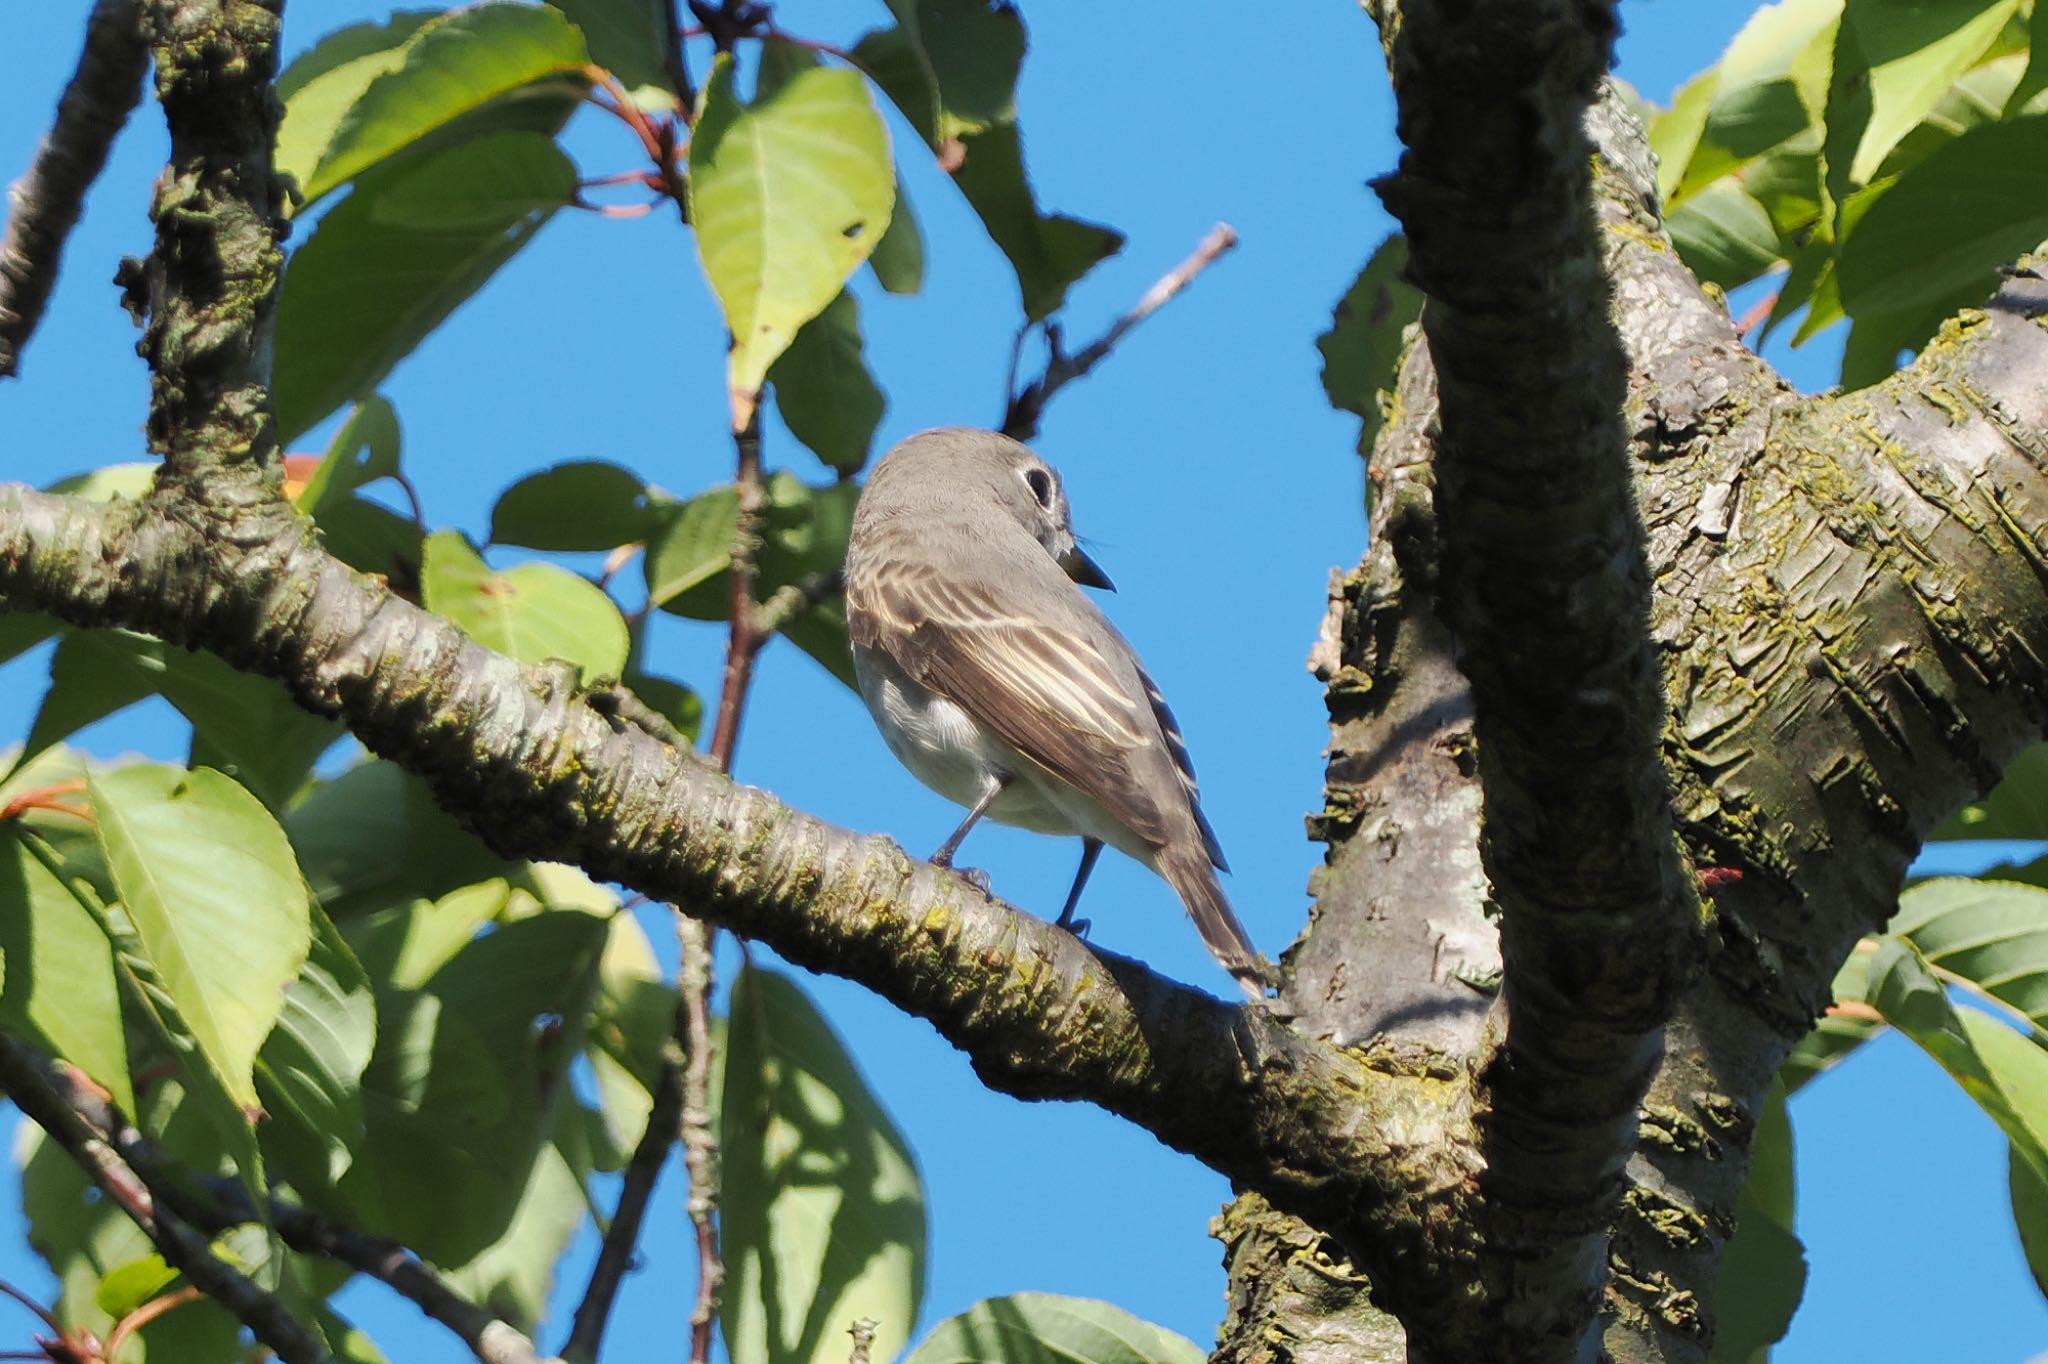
x=1002, y=687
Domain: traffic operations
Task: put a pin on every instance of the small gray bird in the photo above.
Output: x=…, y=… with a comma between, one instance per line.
x=1002, y=687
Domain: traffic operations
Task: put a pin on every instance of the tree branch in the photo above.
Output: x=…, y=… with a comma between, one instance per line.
x=44, y=203
x=27, y=1082
x=1352, y=1141
x=1026, y=407
x=1543, y=581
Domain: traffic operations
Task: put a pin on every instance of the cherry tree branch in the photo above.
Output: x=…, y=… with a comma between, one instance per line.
x=44, y=203
x=24, y=1077
x=1026, y=406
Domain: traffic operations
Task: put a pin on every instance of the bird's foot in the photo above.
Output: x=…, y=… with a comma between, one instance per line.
x=973, y=876
x=1078, y=927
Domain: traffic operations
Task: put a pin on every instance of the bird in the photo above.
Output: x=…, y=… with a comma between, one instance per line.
x=1004, y=688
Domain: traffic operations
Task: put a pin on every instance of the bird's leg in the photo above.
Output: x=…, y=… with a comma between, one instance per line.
x=1091, y=848
x=997, y=784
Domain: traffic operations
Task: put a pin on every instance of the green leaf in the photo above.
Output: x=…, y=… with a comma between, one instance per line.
x=373, y=837
x=450, y=68
x=2035, y=78
x=1913, y=53
x=694, y=546
x=586, y=505
x=1763, y=1269
x=1993, y=934
x=1937, y=238
x=128, y=1286
x=1770, y=87
x=373, y=539
x=822, y=1210
x=21, y=631
x=626, y=38
x=2030, y=1213
x=533, y=613
x=324, y=83
x=364, y=450
x=898, y=261
x=1362, y=348
x=310, y=1069
x=1724, y=236
x=2005, y=1073
x=468, y=1074
x=679, y=705
x=2016, y=808
x=951, y=66
x=823, y=390
x=404, y=946
x=788, y=195
x=208, y=880
x=1675, y=132
x=1041, y=1328
x=807, y=529
x=388, y=264
x=514, y=1274
x=59, y=988
x=243, y=725
x=123, y=482
x=631, y=1021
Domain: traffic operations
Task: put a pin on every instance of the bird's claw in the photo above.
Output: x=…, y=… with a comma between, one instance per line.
x=973, y=876
x=1078, y=927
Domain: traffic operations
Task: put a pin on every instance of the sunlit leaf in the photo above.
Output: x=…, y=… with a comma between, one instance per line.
x=788, y=195
x=1362, y=349
x=207, y=878
x=59, y=987
x=320, y=87
x=1041, y=1328
x=822, y=1211
x=450, y=68
x=626, y=39
x=387, y=265
x=533, y=612
x=365, y=449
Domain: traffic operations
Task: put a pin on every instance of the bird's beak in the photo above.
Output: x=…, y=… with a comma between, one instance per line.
x=1085, y=570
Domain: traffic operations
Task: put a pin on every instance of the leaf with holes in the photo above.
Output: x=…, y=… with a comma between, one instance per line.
x=788, y=195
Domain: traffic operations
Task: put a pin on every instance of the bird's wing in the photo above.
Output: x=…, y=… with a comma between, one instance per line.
x=1051, y=689
x=1177, y=747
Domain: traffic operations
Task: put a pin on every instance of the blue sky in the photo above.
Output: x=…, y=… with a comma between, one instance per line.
x=1216, y=486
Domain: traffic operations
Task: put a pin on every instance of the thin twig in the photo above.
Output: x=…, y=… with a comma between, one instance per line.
x=1026, y=409
x=32, y=1305
x=44, y=203
x=743, y=641
x=615, y=1256
x=143, y=1316
x=786, y=603
x=27, y=1080
x=700, y=1141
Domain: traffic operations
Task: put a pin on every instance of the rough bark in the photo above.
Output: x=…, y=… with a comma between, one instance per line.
x=1841, y=598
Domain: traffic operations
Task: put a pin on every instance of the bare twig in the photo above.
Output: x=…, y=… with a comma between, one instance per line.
x=744, y=641
x=1027, y=408
x=785, y=604
x=27, y=1079
x=143, y=1316
x=863, y=1333
x=700, y=1142
x=615, y=1256
x=43, y=205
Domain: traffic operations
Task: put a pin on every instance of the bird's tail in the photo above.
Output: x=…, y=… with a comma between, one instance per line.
x=1188, y=871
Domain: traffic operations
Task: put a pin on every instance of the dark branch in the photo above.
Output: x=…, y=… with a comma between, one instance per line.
x=43, y=205
x=27, y=1081
x=1027, y=407
x=1544, y=582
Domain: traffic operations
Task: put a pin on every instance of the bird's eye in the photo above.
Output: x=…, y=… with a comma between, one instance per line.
x=1040, y=483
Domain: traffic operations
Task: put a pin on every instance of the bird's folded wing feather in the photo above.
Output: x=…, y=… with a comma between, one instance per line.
x=1047, y=687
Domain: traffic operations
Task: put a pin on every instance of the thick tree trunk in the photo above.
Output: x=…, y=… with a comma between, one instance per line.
x=1850, y=612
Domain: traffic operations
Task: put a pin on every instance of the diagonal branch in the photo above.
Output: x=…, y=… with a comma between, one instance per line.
x=1353, y=1141
x=43, y=205
x=184, y=1247
x=1544, y=584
